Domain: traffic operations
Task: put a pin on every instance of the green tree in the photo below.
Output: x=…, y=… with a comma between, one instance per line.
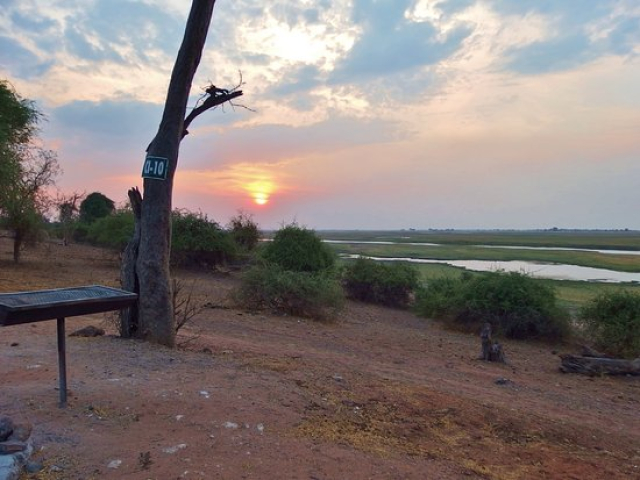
x=298, y=249
x=18, y=121
x=25, y=168
x=95, y=206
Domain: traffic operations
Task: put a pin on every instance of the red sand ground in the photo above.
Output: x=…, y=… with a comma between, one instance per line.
x=377, y=394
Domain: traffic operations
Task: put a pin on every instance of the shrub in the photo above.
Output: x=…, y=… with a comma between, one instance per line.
x=517, y=305
x=113, y=231
x=195, y=240
x=391, y=285
x=441, y=297
x=312, y=295
x=198, y=241
x=612, y=320
x=299, y=250
x=244, y=231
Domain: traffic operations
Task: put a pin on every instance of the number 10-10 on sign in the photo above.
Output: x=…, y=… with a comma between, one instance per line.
x=155, y=167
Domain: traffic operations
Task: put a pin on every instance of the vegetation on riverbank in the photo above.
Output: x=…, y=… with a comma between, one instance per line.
x=466, y=245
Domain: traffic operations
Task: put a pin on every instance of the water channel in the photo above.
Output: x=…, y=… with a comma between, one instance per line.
x=539, y=270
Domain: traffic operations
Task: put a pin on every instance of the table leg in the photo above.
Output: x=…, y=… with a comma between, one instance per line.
x=62, y=363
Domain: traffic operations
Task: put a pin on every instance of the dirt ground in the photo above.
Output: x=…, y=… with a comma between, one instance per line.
x=377, y=394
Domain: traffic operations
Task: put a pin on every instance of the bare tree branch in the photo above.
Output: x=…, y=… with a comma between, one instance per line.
x=216, y=96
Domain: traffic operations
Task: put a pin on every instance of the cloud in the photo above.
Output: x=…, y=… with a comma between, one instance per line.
x=115, y=32
x=301, y=79
x=577, y=34
x=557, y=54
x=392, y=43
x=22, y=63
x=625, y=36
x=274, y=143
x=116, y=119
x=34, y=23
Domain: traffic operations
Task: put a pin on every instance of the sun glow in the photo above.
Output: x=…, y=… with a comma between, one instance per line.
x=260, y=198
x=260, y=190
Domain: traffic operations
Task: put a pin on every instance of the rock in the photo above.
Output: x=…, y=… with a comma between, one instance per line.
x=114, y=464
x=6, y=427
x=9, y=467
x=175, y=448
x=89, y=331
x=33, y=467
x=502, y=381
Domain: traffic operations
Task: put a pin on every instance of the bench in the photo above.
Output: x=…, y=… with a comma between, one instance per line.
x=37, y=306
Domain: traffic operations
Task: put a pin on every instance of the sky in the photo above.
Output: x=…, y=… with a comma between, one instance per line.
x=362, y=114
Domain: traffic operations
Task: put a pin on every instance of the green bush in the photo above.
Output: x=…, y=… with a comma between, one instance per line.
x=113, y=231
x=312, y=295
x=299, y=250
x=198, y=241
x=441, y=297
x=612, y=320
x=517, y=305
x=80, y=232
x=195, y=240
x=391, y=284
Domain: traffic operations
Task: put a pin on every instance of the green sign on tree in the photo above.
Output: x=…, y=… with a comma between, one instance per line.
x=155, y=167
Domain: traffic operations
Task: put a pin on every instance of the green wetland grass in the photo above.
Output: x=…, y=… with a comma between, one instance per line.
x=590, y=239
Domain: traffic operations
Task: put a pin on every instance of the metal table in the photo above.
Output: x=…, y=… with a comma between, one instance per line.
x=36, y=306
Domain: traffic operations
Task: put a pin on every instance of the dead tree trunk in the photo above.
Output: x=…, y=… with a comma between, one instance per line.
x=491, y=351
x=148, y=273
x=593, y=366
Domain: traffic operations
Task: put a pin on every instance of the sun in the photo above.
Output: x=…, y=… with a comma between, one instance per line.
x=260, y=190
x=260, y=198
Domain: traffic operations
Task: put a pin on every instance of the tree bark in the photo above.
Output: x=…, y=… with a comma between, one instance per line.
x=17, y=246
x=156, y=320
x=128, y=275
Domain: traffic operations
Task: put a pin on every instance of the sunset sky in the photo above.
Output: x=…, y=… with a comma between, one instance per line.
x=380, y=114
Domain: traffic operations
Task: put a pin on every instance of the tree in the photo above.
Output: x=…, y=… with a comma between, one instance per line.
x=244, y=231
x=24, y=200
x=67, y=213
x=18, y=120
x=95, y=206
x=25, y=168
x=145, y=267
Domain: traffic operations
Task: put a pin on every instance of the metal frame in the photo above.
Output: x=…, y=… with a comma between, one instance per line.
x=36, y=306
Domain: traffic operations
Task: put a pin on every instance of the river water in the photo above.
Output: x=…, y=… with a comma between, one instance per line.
x=540, y=270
